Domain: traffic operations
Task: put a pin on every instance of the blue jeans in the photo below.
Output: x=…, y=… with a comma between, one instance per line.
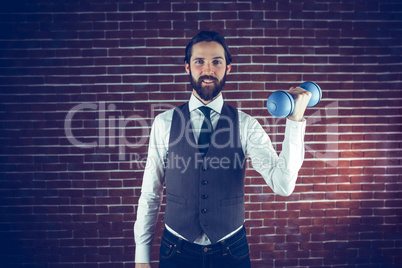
x=229, y=253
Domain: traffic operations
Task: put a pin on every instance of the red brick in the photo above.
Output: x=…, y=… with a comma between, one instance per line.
x=312, y=213
x=262, y=231
x=287, y=214
x=322, y=237
x=337, y=212
x=337, y=196
x=315, y=205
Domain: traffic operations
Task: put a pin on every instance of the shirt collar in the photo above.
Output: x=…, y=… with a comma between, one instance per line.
x=215, y=105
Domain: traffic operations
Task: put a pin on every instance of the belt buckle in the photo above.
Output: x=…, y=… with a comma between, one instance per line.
x=206, y=249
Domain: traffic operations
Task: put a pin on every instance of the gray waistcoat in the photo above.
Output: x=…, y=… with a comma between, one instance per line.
x=208, y=195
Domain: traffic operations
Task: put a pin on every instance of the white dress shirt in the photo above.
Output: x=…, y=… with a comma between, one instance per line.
x=279, y=172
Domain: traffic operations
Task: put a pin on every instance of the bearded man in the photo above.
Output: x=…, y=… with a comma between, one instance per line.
x=198, y=152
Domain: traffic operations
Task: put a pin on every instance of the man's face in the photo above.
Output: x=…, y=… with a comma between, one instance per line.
x=207, y=69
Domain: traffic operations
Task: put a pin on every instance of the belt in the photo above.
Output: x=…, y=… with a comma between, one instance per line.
x=220, y=247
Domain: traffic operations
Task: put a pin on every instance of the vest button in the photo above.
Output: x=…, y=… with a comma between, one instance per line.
x=204, y=210
x=204, y=182
x=205, y=196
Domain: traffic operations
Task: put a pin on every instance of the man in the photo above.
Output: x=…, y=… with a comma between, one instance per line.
x=199, y=150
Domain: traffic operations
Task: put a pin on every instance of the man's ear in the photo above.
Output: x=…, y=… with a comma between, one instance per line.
x=187, y=67
x=228, y=68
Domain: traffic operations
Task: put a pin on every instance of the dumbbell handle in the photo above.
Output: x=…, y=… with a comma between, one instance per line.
x=281, y=103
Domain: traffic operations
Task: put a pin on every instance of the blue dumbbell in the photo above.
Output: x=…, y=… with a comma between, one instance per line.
x=281, y=103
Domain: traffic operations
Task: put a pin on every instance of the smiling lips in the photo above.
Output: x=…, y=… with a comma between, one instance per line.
x=207, y=80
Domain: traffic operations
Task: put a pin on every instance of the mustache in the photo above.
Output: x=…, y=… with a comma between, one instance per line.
x=207, y=77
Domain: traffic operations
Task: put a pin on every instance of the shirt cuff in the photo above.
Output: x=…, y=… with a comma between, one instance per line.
x=294, y=128
x=143, y=254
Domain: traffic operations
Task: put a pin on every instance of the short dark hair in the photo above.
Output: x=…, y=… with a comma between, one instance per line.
x=208, y=36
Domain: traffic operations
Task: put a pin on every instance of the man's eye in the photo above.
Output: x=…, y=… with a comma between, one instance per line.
x=217, y=62
x=199, y=62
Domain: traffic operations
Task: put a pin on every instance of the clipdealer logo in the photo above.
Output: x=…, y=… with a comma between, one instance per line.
x=183, y=163
x=112, y=131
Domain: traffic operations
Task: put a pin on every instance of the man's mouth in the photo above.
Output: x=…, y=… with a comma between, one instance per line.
x=207, y=82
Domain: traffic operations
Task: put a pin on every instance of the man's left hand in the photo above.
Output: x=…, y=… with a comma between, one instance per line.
x=301, y=97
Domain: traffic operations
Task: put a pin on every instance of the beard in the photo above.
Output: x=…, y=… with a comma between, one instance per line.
x=207, y=92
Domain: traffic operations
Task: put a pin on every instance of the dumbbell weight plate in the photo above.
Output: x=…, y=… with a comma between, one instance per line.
x=280, y=104
x=315, y=91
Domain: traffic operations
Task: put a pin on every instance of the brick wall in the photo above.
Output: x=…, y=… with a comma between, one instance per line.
x=81, y=82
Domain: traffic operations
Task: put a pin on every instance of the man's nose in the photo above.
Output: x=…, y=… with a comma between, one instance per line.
x=208, y=69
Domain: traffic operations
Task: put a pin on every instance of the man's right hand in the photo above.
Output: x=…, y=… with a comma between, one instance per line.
x=142, y=265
